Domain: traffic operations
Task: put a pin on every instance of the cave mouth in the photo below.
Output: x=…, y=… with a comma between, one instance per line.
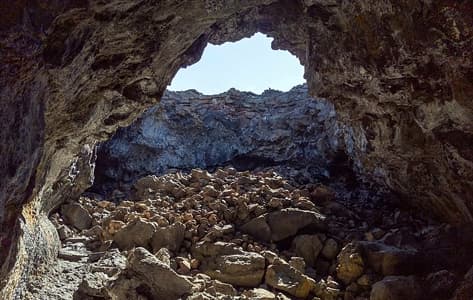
x=243, y=104
x=203, y=176
x=87, y=72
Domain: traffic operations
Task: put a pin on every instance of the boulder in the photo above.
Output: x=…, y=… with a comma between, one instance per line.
x=169, y=237
x=330, y=249
x=287, y=222
x=219, y=289
x=350, y=263
x=204, y=250
x=281, y=276
x=163, y=282
x=258, y=228
x=308, y=247
x=76, y=215
x=389, y=260
x=245, y=269
x=229, y=264
x=396, y=288
x=282, y=224
x=258, y=294
x=137, y=233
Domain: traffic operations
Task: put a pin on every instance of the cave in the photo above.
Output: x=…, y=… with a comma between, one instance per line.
x=399, y=74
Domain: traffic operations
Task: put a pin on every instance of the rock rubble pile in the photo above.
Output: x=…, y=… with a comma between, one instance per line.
x=250, y=235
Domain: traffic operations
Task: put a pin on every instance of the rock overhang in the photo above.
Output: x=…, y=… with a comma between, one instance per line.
x=398, y=72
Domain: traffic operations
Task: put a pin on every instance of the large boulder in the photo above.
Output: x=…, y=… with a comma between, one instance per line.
x=258, y=228
x=287, y=222
x=282, y=224
x=163, y=282
x=137, y=233
x=76, y=215
x=229, y=264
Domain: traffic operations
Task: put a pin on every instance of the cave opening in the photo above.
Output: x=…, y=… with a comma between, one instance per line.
x=244, y=105
x=85, y=68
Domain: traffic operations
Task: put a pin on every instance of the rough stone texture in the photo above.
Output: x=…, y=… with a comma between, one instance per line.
x=163, y=281
x=138, y=233
x=225, y=262
x=77, y=216
x=278, y=225
x=350, y=263
x=389, y=260
x=170, y=237
x=281, y=276
x=190, y=130
x=396, y=288
x=399, y=72
x=308, y=247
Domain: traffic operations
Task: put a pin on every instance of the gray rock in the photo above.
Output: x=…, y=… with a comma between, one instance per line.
x=278, y=225
x=308, y=247
x=76, y=215
x=281, y=276
x=227, y=263
x=258, y=294
x=389, y=260
x=258, y=228
x=287, y=222
x=179, y=132
x=93, y=285
x=72, y=255
x=137, y=233
x=164, y=283
x=245, y=269
x=169, y=237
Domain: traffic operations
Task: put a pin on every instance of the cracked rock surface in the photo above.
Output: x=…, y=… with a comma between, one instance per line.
x=188, y=130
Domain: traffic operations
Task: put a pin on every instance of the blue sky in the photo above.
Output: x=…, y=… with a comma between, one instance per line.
x=247, y=65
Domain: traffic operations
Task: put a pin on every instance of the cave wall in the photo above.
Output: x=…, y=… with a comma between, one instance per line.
x=399, y=72
x=188, y=130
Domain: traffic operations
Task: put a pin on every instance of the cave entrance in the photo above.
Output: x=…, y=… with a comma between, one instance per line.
x=247, y=65
x=243, y=104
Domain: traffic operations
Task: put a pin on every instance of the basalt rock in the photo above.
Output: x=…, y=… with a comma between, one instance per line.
x=399, y=73
x=190, y=130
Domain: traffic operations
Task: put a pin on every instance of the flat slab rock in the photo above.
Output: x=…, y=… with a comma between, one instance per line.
x=279, y=225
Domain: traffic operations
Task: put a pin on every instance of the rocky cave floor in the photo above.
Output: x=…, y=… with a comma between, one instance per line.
x=251, y=235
